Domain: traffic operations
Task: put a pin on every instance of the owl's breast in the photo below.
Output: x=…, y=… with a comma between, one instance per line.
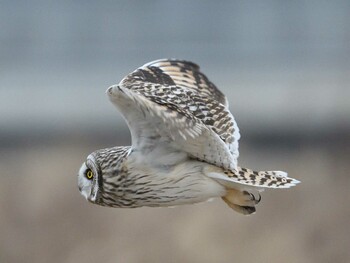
x=184, y=183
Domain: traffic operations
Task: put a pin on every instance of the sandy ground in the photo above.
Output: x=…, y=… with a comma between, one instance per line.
x=45, y=219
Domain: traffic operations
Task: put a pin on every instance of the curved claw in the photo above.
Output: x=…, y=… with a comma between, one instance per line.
x=253, y=198
x=258, y=200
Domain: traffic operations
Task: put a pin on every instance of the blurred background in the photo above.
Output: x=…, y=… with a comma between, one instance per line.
x=285, y=67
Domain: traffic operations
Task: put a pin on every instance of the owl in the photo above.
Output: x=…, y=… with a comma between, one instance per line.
x=184, y=145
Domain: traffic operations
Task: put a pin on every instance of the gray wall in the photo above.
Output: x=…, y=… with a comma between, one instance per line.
x=283, y=64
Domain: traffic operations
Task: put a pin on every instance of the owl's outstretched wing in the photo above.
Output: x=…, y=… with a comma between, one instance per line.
x=187, y=75
x=172, y=104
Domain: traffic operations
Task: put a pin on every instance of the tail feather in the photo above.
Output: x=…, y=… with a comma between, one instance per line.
x=264, y=179
x=241, y=182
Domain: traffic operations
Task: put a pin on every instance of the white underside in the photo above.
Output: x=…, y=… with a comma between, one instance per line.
x=184, y=183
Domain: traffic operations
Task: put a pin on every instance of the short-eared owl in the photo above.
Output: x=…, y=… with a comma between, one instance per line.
x=184, y=145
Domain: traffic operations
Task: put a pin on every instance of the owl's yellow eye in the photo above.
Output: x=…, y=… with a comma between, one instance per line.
x=89, y=174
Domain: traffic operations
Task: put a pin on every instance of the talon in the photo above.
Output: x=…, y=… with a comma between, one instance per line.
x=247, y=210
x=252, y=197
x=235, y=198
x=258, y=200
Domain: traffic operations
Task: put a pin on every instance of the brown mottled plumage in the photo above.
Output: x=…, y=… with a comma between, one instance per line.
x=184, y=145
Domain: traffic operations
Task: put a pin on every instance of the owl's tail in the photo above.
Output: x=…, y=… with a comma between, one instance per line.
x=265, y=179
x=241, y=183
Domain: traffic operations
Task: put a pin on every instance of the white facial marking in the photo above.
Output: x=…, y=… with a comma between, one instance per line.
x=83, y=183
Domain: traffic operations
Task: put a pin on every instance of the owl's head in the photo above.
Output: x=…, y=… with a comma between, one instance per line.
x=88, y=178
x=101, y=176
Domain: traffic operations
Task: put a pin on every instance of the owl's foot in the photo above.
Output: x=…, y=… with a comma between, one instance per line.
x=241, y=201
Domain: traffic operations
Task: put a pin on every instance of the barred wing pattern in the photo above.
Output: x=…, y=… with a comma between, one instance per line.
x=176, y=117
x=172, y=102
x=187, y=75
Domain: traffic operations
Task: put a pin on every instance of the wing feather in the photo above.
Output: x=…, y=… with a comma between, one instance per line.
x=187, y=74
x=163, y=108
